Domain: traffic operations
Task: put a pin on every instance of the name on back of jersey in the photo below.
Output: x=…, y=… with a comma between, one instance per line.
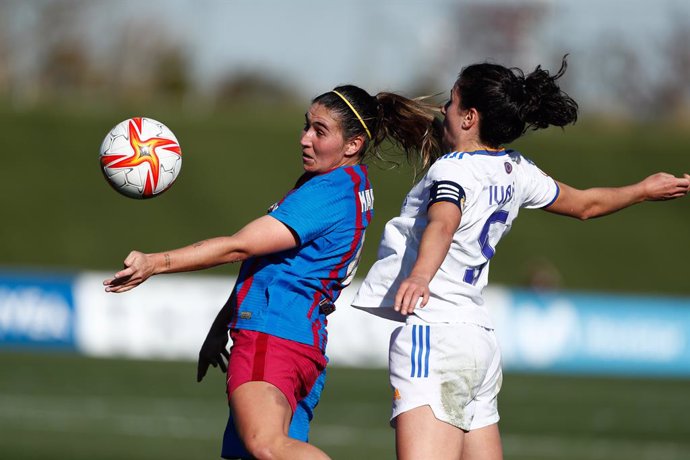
x=366, y=198
x=501, y=194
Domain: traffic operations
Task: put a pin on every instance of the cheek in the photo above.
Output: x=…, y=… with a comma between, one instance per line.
x=330, y=148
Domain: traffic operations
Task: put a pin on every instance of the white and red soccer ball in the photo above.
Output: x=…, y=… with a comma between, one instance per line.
x=140, y=157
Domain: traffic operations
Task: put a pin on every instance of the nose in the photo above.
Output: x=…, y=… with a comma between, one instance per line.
x=443, y=109
x=304, y=139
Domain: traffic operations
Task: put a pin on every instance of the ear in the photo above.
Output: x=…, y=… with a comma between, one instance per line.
x=353, y=146
x=470, y=118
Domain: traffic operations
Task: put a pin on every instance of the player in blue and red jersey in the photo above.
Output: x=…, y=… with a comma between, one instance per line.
x=296, y=261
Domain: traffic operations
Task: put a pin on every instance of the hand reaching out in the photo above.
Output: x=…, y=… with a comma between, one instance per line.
x=664, y=186
x=138, y=268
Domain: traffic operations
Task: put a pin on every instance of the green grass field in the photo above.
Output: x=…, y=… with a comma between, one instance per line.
x=69, y=407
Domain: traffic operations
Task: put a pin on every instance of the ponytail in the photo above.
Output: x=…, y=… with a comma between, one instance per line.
x=412, y=126
x=545, y=103
x=509, y=103
x=408, y=123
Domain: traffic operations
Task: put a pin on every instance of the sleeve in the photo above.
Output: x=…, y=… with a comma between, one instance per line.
x=449, y=181
x=446, y=190
x=541, y=190
x=313, y=209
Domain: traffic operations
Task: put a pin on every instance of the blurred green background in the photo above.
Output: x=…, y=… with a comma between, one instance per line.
x=233, y=80
x=58, y=212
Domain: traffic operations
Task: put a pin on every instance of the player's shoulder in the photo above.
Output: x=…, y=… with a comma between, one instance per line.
x=518, y=157
x=343, y=176
x=525, y=163
x=337, y=185
x=474, y=163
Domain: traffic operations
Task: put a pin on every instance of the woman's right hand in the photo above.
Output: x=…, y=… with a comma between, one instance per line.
x=409, y=294
x=138, y=268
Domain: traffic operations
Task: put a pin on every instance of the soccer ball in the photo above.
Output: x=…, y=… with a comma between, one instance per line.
x=140, y=157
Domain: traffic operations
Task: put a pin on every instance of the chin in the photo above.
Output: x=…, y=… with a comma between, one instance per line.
x=308, y=168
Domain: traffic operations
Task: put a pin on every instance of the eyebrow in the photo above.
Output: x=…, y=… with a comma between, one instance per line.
x=318, y=124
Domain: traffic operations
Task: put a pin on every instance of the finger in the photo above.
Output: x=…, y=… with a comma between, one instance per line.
x=124, y=274
x=410, y=301
x=201, y=369
x=425, y=299
x=225, y=353
x=118, y=289
x=403, y=302
x=129, y=260
x=399, y=298
x=222, y=365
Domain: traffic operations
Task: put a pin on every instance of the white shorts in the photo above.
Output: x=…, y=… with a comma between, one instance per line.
x=453, y=368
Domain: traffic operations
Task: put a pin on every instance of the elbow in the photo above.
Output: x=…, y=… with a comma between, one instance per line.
x=239, y=255
x=584, y=213
x=583, y=216
x=591, y=212
x=235, y=252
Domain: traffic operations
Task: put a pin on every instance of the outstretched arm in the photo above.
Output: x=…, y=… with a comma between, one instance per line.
x=443, y=221
x=600, y=201
x=264, y=235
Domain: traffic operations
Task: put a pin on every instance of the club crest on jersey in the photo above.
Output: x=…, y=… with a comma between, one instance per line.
x=509, y=167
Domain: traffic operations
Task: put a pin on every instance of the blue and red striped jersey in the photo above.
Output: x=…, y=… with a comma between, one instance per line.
x=289, y=294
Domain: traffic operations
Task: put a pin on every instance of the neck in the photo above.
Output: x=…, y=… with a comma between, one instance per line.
x=471, y=146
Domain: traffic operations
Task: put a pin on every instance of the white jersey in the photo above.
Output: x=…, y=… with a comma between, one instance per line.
x=490, y=187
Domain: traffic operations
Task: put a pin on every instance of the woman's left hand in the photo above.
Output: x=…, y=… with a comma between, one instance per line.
x=664, y=186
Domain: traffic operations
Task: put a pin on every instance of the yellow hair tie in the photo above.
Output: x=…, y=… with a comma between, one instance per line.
x=355, y=112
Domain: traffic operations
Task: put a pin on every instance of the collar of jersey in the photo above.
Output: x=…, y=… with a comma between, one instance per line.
x=496, y=153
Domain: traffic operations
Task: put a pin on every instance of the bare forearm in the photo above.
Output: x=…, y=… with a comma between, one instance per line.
x=265, y=235
x=432, y=250
x=600, y=201
x=198, y=256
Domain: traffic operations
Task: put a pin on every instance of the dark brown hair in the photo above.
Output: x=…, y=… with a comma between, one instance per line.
x=408, y=123
x=509, y=103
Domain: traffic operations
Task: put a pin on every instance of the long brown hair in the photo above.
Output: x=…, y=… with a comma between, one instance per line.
x=408, y=123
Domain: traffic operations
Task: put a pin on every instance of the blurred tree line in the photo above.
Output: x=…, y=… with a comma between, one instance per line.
x=54, y=60
x=48, y=53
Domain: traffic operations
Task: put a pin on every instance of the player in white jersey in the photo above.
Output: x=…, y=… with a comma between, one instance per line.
x=433, y=261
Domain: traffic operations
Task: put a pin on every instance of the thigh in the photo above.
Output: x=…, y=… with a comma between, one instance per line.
x=260, y=411
x=233, y=447
x=483, y=444
x=419, y=434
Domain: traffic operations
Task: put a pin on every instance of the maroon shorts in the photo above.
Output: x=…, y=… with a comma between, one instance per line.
x=291, y=366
